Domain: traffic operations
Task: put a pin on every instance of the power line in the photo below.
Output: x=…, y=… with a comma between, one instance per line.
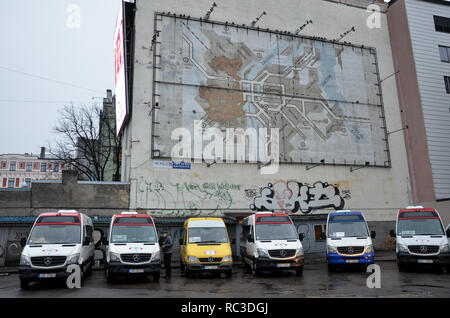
x=42, y=101
x=48, y=79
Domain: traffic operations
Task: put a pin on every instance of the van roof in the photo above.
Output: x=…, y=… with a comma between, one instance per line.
x=61, y=213
x=205, y=222
x=345, y=212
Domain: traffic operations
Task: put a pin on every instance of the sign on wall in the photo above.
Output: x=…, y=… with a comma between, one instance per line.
x=119, y=71
x=323, y=97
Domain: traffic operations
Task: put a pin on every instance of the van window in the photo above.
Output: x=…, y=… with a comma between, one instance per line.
x=89, y=231
x=208, y=235
x=133, y=234
x=420, y=227
x=245, y=232
x=276, y=231
x=55, y=234
x=347, y=227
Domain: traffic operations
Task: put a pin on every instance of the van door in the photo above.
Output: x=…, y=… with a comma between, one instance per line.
x=87, y=251
x=183, y=246
x=250, y=246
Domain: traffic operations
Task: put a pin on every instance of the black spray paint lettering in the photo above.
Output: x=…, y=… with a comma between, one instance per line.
x=297, y=197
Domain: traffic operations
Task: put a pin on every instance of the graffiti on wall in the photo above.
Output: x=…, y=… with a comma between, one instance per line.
x=295, y=197
x=186, y=198
x=10, y=248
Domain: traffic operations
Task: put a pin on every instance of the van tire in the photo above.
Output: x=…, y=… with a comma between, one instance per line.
x=331, y=268
x=229, y=273
x=401, y=267
x=299, y=271
x=156, y=276
x=109, y=276
x=256, y=269
x=447, y=269
x=24, y=284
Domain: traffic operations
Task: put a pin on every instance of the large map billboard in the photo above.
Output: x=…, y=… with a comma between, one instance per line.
x=324, y=97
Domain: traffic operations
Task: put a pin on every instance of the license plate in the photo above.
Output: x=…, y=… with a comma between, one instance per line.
x=52, y=275
x=352, y=261
x=284, y=265
x=425, y=261
x=210, y=267
x=136, y=271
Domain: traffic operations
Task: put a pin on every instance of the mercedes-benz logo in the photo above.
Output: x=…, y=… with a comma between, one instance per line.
x=423, y=249
x=210, y=259
x=283, y=253
x=136, y=258
x=350, y=250
x=47, y=261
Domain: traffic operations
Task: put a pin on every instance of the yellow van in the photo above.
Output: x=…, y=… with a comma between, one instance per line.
x=205, y=247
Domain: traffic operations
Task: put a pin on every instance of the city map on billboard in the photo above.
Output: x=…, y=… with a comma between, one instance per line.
x=323, y=97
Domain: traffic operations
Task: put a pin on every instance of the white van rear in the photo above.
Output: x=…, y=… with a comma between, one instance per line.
x=57, y=240
x=133, y=247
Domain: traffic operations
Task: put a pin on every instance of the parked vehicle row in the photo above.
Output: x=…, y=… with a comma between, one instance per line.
x=268, y=242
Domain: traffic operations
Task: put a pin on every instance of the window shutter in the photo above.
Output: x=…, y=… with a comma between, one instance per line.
x=17, y=182
x=4, y=183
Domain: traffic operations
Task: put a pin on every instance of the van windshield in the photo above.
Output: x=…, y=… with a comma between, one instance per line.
x=208, y=235
x=55, y=234
x=133, y=234
x=420, y=227
x=339, y=229
x=276, y=231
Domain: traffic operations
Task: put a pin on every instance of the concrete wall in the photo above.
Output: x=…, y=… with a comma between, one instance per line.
x=229, y=188
x=93, y=198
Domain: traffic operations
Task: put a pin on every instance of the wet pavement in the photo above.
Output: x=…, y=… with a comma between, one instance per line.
x=315, y=282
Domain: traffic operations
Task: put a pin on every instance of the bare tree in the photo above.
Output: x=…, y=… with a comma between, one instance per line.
x=87, y=140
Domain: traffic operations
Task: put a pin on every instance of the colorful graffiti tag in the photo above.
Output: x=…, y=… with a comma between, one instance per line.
x=298, y=197
x=186, y=198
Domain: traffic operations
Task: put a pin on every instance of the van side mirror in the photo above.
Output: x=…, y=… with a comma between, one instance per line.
x=105, y=241
x=448, y=232
x=323, y=236
x=23, y=242
x=373, y=234
x=301, y=236
x=86, y=241
x=250, y=239
x=392, y=233
x=180, y=241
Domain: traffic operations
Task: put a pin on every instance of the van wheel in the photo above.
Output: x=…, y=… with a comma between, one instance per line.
x=402, y=267
x=156, y=276
x=256, y=269
x=299, y=271
x=331, y=268
x=187, y=273
x=229, y=273
x=447, y=269
x=24, y=284
x=109, y=276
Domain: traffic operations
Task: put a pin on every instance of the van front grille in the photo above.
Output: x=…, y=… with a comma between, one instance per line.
x=281, y=253
x=350, y=250
x=48, y=261
x=423, y=249
x=210, y=259
x=135, y=258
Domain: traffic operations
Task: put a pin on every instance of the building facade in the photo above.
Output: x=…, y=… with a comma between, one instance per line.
x=420, y=37
x=18, y=171
x=315, y=76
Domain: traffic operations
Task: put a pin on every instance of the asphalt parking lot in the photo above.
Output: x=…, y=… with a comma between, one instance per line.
x=315, y=282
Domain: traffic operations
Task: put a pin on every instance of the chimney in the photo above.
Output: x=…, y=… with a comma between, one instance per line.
x=42, y=156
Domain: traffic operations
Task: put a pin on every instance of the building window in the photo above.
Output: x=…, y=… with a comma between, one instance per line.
x=21, y=165
x=28, y=182
x=43, y=167
x=56, y=167
x=444, y=52
x=318, y=230
x=447, y=84
x=36, y=166
x=29, y=166
x=4, y=164
x=11, y=183
x=442, y=24
x=12, y=166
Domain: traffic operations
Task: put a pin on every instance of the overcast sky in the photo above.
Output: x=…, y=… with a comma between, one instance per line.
x=37, y=40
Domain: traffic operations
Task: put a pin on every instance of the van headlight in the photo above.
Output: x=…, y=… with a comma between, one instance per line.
x=332, y=249
x=227, y=258
x=402, y=248
x=262, y=252
x=368, y=249
x=24, y=260
x=299, y=251
x=114, y=257
x=192, y=259
x=156, y=256
x=73, y=259
x=444, y=248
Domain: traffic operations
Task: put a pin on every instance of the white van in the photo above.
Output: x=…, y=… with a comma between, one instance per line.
x=421, y=238
x=269, y=241
x=133, y=247
x=348, y=240
x=57, y=239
